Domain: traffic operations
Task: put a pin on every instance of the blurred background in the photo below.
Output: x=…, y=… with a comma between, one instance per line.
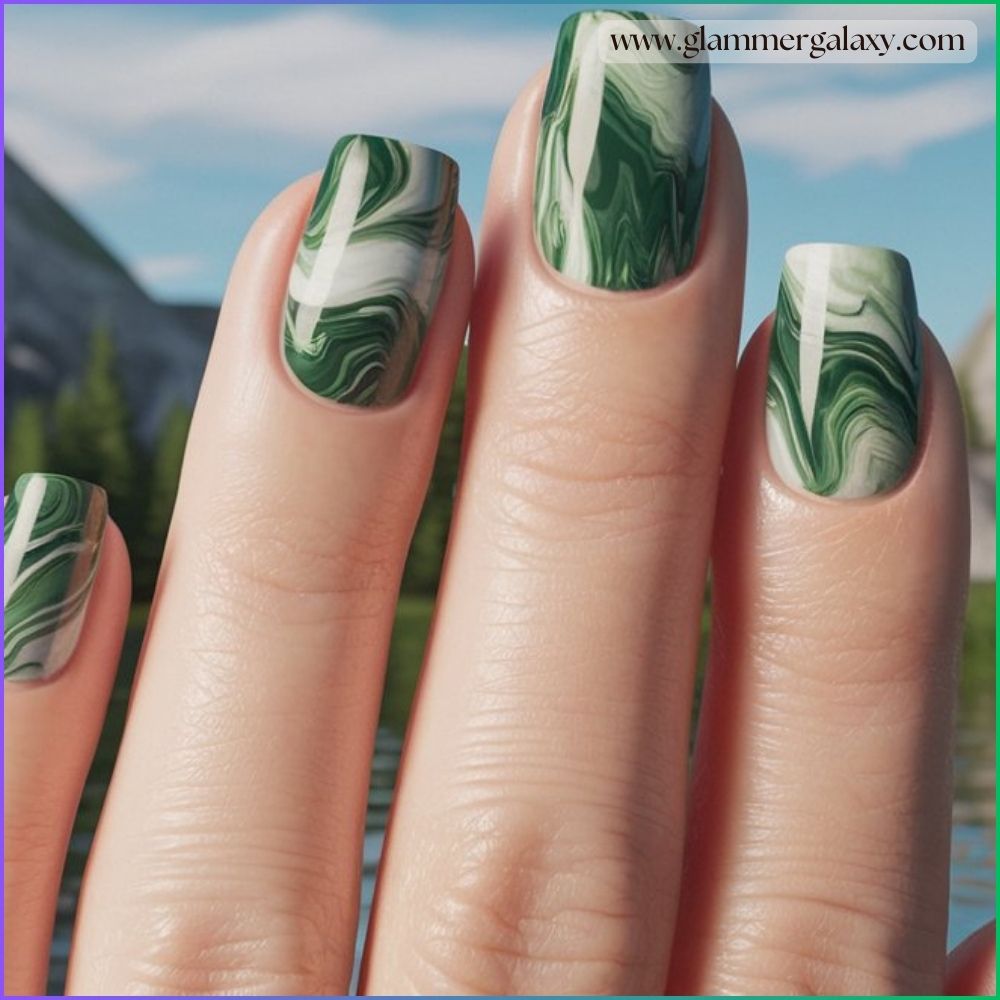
x=141, y=140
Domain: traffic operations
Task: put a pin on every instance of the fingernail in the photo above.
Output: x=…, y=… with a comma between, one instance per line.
x=52, y=532
x=622, y=158
x=369, y=269
x=844, y=373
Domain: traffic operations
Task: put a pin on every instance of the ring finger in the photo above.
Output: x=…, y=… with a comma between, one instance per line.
x=818, y=847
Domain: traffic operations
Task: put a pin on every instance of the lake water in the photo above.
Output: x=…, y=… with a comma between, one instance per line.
x=972, y=887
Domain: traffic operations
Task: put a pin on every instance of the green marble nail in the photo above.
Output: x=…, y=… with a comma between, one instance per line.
x=52, y=532
x=368, y=270
x=622, y=158
x=843, y=381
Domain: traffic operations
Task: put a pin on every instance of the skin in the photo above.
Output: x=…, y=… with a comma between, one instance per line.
x=573, y=585
x=822, y=777
x=50, y=735
x=537, y=838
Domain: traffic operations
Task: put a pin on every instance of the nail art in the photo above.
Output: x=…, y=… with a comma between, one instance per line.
x=52, y=532
x=622, y=158
x=844, y=372
x=369, y=269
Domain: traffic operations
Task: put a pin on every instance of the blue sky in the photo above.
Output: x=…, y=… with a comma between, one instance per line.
x=167, y=128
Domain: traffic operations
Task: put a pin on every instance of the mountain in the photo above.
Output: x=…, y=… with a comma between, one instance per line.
x=198, y=317
x=60, y=284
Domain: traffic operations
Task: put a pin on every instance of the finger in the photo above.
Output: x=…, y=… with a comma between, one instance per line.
x=817, y=854
x=66, y=596
x=228, y=855
x=972, y=966
x=543, y=783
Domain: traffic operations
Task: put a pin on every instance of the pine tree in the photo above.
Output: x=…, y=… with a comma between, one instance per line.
x=92, y=434
x=66, y=442
x=25, y=450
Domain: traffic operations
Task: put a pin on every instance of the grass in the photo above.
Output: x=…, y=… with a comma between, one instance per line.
x=409, y=636
x=979, y=650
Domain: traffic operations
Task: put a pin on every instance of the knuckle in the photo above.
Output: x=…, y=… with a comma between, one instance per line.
x=576, y=469
x=208, y=959
x=250, y=921
x=532, y=901
x=824, y=955
x=850, y=933
x=605, y=788
x=300, y=568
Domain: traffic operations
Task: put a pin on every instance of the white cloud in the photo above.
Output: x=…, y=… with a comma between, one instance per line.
x=982, y=15
x=306, y=74
x=68, y=161
x=828, y=131
x=166, y=267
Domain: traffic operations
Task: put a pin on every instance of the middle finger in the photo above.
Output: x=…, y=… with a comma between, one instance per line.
x=543, y=787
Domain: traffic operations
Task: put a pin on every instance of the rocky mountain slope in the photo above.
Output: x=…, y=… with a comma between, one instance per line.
x=60, y=284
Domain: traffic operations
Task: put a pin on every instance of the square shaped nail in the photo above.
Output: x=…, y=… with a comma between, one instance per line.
x=53, y=530
x=369, y=267
x=622, y=155
x=844, y=371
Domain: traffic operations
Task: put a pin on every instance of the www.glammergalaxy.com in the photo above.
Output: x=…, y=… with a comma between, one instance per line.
x=792, y=41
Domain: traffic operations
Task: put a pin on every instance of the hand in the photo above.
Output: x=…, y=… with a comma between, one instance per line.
x=546, y=835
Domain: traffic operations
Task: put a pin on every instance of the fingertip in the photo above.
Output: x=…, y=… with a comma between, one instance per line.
x=942, y=420
x=463, y=251
x=113, y=586
x=259, y=273
x=452, y=307
x=725, y=220
x=439, y=356
x=286, y=210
